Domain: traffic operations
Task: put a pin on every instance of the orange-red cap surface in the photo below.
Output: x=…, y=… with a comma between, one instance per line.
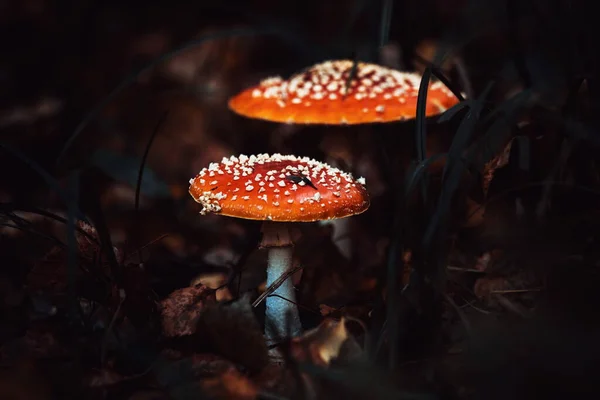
x=321, y=95
x=278, y=188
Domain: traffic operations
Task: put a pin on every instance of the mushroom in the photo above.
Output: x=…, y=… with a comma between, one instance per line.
x=278, y=189
x=325, y=94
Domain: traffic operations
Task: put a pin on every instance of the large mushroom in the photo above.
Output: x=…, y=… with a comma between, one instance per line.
x=341, y=92
x=278, y=189
x=326, y=94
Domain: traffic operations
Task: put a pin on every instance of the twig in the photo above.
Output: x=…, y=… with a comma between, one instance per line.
x=460, y=314
x=509, y=305
x=458, y=269
x=275, y=285
x=516, y=291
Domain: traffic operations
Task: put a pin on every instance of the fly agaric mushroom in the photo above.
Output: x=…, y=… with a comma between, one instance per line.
x=341, y=92
x=278, y=189
x=325, y=94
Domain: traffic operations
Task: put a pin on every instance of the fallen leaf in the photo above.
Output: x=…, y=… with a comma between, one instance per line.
x=234, y=332
x=181, y=310
x=216, y=281
x=322, y=344
x=183, y=377
x=230, y=385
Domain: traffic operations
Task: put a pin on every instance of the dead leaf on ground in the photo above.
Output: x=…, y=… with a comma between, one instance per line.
x=184, y=376
x=181, y=310
x=235, y=333
x=322, y=344
x=230, y=385
x=215, y=281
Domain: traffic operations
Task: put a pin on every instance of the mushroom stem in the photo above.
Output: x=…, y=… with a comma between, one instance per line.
x=281, y=313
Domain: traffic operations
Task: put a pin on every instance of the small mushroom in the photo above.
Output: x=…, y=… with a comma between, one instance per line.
x=278, y=189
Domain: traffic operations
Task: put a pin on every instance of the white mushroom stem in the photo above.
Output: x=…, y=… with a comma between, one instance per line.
x=281, y=315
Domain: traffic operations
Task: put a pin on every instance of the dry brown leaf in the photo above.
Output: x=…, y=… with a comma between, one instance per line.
x=230, y=385
x=199, y=374
x=234, y=333
x=322, y=344
x=216, y=281
x=180, y=312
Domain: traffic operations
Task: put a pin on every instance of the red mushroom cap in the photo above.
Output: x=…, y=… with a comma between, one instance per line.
x=278, y=188
x=318, y=96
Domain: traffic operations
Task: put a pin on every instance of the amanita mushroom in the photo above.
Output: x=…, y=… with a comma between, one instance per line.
x=278, y=189
x=325, y=94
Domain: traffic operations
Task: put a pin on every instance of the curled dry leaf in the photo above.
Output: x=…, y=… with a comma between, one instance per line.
x=322, y=344
x=181, y=310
